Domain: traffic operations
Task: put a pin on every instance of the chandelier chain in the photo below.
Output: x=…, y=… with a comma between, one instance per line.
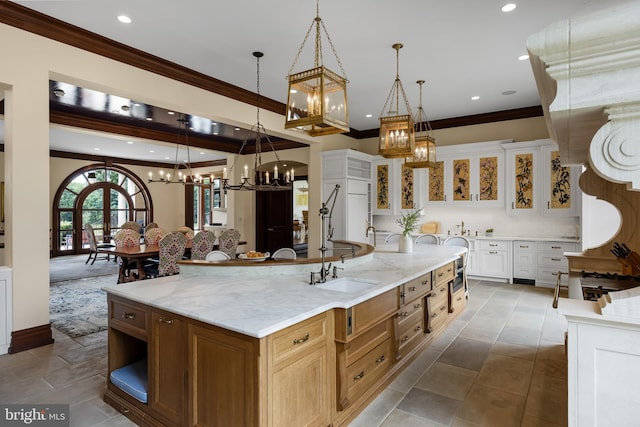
x=396, y=89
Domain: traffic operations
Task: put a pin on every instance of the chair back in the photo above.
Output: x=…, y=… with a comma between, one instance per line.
x=392, y=238
x=126, y=238
x=202, y=244
x=187, y=231
x=150, y=226
x=131, y=225
x=426, y=239
x=459, y=241
x=153, y=236
x=284, y=253
x=171, y=250
x=217, y=256
x=228, y=242
x=91, y=237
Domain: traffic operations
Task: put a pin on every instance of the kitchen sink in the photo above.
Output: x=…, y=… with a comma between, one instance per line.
x=348, y=284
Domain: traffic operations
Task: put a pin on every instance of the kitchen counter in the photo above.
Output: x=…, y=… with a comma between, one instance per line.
x=260, y=300
x=381, y=234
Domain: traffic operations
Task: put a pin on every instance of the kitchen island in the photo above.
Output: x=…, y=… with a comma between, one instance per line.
x=261, y=347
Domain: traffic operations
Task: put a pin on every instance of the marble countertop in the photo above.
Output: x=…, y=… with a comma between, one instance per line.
x=568, y=239
x=267, y=300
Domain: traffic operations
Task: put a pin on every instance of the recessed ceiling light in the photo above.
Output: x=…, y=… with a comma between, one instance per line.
x=129, y=142
x=171, y=113
x=523, y=57
x=475, y=98
x=215, y=133
x=149, y=119
x=152, y=151
x=508, y=7
x=202, y=152
x=124, y=19
x=167, y=158
x=369, y=115
x=214, y=124
x=509, y=92
x=293, y=91
x=96, y=149
x=237, y=128
x=136, y=104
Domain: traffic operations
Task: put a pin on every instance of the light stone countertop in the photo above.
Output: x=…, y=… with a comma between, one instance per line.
x=567, y=239
x=268, y=299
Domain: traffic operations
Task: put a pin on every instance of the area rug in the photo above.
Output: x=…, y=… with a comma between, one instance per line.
x=74, y=267
x=79, y=307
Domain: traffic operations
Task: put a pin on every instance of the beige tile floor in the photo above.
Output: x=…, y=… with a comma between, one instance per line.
x=500, y=363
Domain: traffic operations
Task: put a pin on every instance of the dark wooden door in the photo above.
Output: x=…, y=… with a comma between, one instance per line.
x=274, y=220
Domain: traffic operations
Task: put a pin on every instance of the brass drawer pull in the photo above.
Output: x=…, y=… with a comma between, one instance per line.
x=380, y=359
x=440, y=274
x=434, y=315
x=459, y=299
x=492, y=244
x=166, y=321
x=425, y=282
x=359, y=376
x=416, y=306
x=443, y=308
x=524, y=247
x=412, y=289
x=493, y=252
x=301, y=340
x=417, y=328
x=405, y=314
x=443, y=289
x=405, y=339
x=556, y=259
x=129, y=316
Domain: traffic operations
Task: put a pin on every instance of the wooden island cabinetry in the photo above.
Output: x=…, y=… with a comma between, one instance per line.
x=321, y=371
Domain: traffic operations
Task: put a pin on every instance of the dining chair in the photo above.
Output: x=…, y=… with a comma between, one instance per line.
x=127, y=238
x=131, y=225
x=426, y=239
x=202, y=244
x=284, y=253
x=463, y=242
x=217, y=256
x=94, y=247
x=187, y=231
x=150, y=226
x=392, y=238
x=228, y=242
x=171, y=249
x=153, y=235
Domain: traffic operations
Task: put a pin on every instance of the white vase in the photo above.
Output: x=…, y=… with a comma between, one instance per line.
x=405, y=244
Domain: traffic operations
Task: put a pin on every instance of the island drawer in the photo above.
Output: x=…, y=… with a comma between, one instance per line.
x=367, y=370
x=365, y=342
x=355, y=320
x=295, y=339
x=444, y=274
x=457, y=301
x=438, y=312
x=408, y=311
x=415, y=288
x=128, y=317
x=411, y=337
x=440, y=292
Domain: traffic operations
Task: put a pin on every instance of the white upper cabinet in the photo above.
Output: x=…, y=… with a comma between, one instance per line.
x=469, y=174
x=523, y=178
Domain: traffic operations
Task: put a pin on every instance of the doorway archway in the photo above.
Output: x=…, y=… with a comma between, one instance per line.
x=104, y=196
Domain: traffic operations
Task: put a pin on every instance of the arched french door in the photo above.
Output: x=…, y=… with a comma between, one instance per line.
x=103, y=196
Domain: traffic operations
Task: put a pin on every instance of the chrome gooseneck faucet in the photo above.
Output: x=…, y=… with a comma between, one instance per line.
x=324, y=213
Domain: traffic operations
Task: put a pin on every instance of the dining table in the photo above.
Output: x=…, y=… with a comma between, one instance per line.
x=137, y=254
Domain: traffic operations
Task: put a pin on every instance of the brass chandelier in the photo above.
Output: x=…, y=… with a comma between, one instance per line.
x=397, y=130
x=261, y=179
x=182, y=173
x=423, y=150
x=317, y=99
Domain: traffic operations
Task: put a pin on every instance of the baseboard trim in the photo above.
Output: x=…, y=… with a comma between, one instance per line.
x=27, y=339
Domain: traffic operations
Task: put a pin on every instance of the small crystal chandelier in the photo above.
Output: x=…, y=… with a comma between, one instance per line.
x=317, y=100
x=424, y=147
x=396, y=131
x=281, y=179
x=182, y=173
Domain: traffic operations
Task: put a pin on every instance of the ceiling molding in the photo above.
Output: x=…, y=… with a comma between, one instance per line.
x=111, y=160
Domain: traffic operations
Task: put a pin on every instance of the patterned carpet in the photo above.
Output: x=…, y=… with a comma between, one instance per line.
x=74, y=267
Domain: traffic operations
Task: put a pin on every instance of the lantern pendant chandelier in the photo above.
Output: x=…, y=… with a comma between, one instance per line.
x=317, y=100
x=182, y=173
x=423, y=151
x=397, y=131
x=281, y=179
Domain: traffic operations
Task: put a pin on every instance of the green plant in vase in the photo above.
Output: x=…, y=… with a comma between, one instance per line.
x=409, y=221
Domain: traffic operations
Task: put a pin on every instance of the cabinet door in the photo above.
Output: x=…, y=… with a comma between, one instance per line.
x=494, y=263
x=167, y=367
x=489, y=179
x=435, y=192
x=561, y=190
x=357, y=217
x=223, y=378
x=523, y=181
x=385, y=188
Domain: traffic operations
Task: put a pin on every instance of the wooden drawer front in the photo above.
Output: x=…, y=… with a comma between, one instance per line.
x=407, y=310
x=558, y=247
x=367, y=370
x=128, y=318
x=411, y=338
x=493, y=245
x=444, y=274
x=440, y=292
x=438, y=312
x=526, y=247
x=457, y=301
x=416, y=288
x=414, y=325
x=364, y=343
x=300, y=337
x=374, y=310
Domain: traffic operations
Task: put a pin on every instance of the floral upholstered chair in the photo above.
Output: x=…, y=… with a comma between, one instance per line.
x=126, y=238
x=228, y=242
x=171, y=250
x=131, y=225
x=153, y=235
x=187, y=231
x=150, y=226
x=94, y=246
x=202, y=244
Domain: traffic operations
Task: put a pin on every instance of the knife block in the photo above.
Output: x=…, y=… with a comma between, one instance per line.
x=630, y=265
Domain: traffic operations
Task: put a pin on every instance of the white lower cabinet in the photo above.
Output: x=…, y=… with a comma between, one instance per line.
x=539, y=262
x=525, y=262
x=494, y=258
